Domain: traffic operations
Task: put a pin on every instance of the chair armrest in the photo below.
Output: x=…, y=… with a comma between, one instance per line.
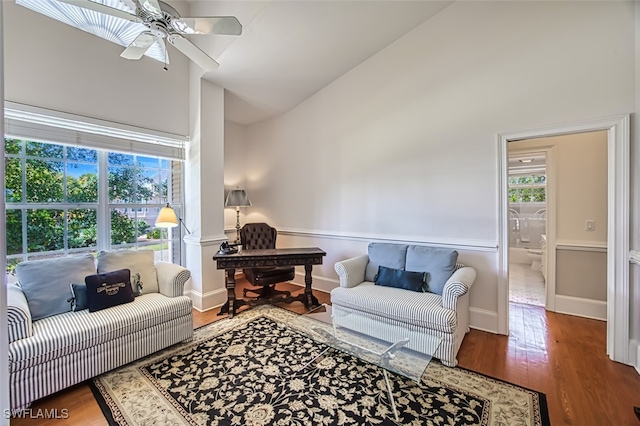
x=351, y=271
x=18, y=314
x=457, y=285
x=171, y=278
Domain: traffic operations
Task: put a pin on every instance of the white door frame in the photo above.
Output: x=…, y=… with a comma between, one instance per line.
x=617, y=128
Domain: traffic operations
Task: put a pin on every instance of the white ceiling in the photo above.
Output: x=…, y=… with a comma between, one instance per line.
x=289, y=50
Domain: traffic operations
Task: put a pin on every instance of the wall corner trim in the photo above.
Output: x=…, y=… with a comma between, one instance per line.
x=206, y=301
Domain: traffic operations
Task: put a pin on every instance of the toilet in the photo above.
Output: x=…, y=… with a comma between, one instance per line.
x=535, y=255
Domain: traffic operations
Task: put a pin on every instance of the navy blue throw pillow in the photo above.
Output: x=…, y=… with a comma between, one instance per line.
x=109, y=289
x=78, y=298
x=389, y=277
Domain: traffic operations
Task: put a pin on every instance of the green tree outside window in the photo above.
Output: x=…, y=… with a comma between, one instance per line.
x=54, y=174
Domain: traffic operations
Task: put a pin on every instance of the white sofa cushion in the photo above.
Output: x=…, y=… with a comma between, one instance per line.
x=420, y=309
x=137, y=261
x=59, y=335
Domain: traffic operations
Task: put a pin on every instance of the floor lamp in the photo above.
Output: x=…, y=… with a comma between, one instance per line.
x=167, y=219
x=237, y=198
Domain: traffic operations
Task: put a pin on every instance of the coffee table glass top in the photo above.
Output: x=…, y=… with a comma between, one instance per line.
x=374, y=341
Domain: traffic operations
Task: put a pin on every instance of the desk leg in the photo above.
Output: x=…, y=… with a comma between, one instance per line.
x=310, y=300
x=230, y=306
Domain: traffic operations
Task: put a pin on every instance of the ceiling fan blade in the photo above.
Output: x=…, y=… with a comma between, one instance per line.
x=139, y=46
x=192, y=51
x=152, y=6
x=225, y=25
x=87, y=4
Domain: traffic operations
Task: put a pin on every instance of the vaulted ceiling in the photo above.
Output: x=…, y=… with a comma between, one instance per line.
x=289, y=50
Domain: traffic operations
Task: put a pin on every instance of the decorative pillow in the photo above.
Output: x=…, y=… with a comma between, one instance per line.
x=438, y=263
x=45, y=283
x=384, y=254
x=136, y=284
x=110, y=289
x=78, y=298
x=389, y=277
x=137, y=261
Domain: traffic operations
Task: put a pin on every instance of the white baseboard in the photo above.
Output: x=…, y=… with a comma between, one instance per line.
x=634, y=354
x=578, y=306
x=207, y=301
x=481, y=319
x=323, y=284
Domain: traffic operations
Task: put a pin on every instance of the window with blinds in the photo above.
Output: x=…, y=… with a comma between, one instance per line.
x=64, y=198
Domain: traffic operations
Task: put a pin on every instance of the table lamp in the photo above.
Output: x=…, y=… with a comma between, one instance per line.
x=237, y=198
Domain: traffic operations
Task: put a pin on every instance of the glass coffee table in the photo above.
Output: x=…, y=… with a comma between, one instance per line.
x=371, y=340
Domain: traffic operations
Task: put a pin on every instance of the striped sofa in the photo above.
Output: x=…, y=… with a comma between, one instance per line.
x=444, y=315
x=53, y=353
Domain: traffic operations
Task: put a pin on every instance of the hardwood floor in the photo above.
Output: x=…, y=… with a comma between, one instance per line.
x=560, y=355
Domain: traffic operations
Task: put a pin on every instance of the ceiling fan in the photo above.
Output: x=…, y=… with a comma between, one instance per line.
x=160, y=22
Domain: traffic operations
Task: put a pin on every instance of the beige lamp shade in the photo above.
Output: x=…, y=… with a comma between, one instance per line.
x=167, y=218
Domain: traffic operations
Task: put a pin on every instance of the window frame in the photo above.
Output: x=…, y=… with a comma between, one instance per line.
x=103, y=205
x=518, y=187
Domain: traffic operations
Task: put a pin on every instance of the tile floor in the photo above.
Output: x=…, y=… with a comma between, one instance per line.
x=525, y=285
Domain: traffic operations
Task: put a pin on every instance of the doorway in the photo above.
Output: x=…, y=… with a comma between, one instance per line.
x=617, y=247
x=527, y=202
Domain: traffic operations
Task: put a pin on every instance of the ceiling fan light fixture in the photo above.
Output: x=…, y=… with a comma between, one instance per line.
x=142, y=30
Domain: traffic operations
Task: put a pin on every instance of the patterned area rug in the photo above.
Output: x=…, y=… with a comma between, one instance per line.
x=252, y=370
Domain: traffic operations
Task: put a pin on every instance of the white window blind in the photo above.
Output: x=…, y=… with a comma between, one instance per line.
x=29, y=122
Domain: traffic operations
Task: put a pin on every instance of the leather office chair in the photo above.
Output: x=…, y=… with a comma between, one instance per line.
x=257, y=236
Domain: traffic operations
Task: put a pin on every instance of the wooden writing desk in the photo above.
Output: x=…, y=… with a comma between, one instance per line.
x=264, y=258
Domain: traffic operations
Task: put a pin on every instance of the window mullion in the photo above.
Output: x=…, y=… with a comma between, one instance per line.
x=23, y=161
x=65, y=210
x=104, y=218
x=24, y=234
x=135, y=198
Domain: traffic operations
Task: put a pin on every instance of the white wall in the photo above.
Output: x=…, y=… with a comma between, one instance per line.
x=234, y=171
x=581, y=166
x=53, y=65
x=403, y=147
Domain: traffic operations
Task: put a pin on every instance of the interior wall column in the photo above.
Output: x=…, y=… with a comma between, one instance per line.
x=204, y=191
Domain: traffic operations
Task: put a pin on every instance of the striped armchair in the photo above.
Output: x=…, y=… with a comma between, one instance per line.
x=445, y=315
x=47, y=354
